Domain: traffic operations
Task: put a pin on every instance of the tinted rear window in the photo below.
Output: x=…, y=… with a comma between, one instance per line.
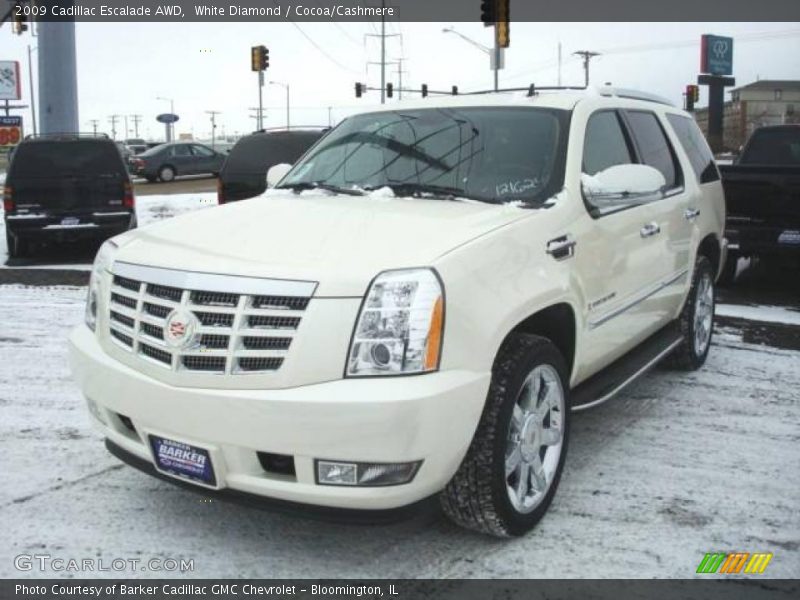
x=256, y=153
x=695, y=146
x=54, y=159
x=773, y=147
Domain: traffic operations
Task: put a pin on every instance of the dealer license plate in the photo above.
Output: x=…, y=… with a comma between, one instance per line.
x=183, y=460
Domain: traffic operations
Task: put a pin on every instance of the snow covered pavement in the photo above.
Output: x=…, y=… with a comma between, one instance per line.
x=676, y=466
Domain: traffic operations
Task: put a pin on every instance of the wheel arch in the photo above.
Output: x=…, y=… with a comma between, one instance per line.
x=558, y=324
x=710, y=248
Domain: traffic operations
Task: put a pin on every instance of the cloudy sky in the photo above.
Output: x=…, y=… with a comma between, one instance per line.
x=123, y=68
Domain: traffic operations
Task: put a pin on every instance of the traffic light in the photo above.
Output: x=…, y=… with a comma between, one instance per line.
x=488, y=16
x=20, y=24
x=259, y=58
x=692, y=96
x=389, y=90
x=502, y=28
x=359, y=90
x=424, y=90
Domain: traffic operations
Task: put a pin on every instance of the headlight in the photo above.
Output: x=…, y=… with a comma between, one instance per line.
x=102, y=262
x=400, y=327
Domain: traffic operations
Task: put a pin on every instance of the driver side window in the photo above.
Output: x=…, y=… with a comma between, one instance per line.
x=606, y=144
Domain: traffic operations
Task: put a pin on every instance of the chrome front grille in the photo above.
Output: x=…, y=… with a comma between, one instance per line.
x=238, y=331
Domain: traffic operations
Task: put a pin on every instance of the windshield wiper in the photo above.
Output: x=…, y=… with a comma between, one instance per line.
x=320, y=185
x=444, y=192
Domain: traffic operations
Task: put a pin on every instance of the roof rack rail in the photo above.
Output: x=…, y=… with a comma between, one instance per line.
x=291, y=128
x=633, y=95
x=66, y=134
x=532, y=89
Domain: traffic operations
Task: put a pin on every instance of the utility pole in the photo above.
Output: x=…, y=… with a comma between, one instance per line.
x=125, y=137
x=94, y=123
x=136, y=119
x=113, y=120
x=258, y=116
x=400, y=72
x=383, y=35
x=260, y=123
x=213, y=114
x=587, y=55
x=30, y=85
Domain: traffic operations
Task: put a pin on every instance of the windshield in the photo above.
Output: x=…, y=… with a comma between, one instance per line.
x=773, y=147
x=488, y=154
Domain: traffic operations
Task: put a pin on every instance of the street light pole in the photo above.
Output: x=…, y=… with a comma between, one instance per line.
x=288, y=104
x=494, y=54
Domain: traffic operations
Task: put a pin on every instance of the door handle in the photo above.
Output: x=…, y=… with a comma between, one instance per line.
x=691, y=213
x=562, y=247
x=649, y=230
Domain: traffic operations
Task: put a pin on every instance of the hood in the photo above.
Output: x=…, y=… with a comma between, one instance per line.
x=342, y=242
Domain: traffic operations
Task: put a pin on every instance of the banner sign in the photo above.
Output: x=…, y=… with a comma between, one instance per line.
x=10, y=87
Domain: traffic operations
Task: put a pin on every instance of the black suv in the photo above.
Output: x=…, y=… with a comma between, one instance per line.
x=65, y=187
x=244, y=174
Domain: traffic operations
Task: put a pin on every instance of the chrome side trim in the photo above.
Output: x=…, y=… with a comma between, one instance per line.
x=630, y=304
x=112, y=214
x=630, y=379
x=214, y=282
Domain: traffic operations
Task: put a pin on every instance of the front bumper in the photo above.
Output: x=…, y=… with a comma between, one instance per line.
x=429, y=417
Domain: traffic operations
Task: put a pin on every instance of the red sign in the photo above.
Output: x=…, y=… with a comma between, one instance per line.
x=10, y=131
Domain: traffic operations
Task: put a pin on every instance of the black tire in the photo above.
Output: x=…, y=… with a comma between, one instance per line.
x=477, y=496
x=167, y=173
x=690, y=355
x=728, y=275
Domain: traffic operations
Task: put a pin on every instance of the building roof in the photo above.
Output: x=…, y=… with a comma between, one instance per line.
x=771, y=84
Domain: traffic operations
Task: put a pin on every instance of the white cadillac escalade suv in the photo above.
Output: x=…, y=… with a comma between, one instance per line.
x=415, y=308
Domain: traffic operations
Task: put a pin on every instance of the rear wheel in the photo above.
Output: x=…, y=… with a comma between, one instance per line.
x=696, y=320
x=166, y=174
x=512, y=468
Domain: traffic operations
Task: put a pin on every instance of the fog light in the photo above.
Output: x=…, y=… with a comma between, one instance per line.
x=365, y=474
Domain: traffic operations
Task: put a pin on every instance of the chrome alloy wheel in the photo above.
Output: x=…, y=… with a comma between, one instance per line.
x=703, y=313
x=535, y=438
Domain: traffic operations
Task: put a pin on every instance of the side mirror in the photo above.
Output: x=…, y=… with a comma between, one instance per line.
x=276, y=173
x=622, y=184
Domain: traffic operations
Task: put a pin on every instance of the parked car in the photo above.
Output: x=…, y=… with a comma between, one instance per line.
x=66, y=187
x=762, y=190
x=415, y=310
x=167, y=161
x=137, y=145
x=245, y=170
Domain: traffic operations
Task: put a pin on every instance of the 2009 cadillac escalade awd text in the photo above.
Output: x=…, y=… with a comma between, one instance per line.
x=415, y=308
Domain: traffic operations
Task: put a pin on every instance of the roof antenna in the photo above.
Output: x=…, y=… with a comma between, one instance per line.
x=531, y=90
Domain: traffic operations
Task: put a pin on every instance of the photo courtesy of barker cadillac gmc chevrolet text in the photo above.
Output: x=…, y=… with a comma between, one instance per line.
x=415, y=308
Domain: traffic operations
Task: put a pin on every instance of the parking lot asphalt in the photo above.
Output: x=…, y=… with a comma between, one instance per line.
x=182, y=185
x=678, y=465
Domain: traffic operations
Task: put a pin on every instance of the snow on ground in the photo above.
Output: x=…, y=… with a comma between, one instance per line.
x=149, y=209
x=767, y=314
x=678, y=465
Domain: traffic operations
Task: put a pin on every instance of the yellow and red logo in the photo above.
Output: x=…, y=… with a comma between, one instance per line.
x=734, y=563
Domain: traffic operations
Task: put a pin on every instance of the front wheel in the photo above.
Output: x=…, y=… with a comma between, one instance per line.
x=512, y=468
x=696, y=320
x=166, y=174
